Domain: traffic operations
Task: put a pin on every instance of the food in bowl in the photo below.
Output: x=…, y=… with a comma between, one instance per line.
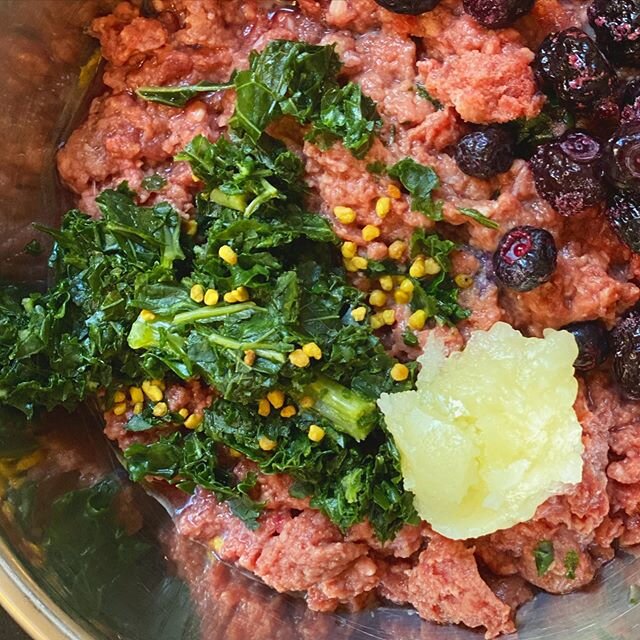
x=355, y=285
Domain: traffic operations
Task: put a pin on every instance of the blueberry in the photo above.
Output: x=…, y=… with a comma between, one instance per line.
x=593, y=343
x=630, y=102
x=623, y=212
x=409, y=7
x=496, y=14
x=617, y=27
x=525, y=258
x=570, y=65
x=623, y=157
x=485, y=153
x=569, y=172
x=625, y=342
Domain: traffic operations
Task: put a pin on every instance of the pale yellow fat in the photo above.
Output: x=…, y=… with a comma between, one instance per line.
x=491, y=432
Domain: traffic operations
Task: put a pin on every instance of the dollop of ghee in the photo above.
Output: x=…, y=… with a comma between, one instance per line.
x=490, y=432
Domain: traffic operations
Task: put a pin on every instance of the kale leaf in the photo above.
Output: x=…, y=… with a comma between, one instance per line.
x=423, y=93
x=544, y=556
x=420, y=181
x=549, y=124
x=436, y=294
x=480, y=218
x=292, y=79
x=180, y=95
x=287, y=78
x=60, y=346
x=348, y=115
x=571, y=562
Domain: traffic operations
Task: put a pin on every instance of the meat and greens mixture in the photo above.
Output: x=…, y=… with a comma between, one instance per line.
x=281, y=205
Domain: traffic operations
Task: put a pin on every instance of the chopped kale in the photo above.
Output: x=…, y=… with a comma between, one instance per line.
x=420, y=181
x=544, y=556
x=60, y=346
x=549, y=124
x=348, y=115
x=480, y=218
x=180, y=95
x=377, y=168
x=571, y=562
x=410, y=338
x=292, y=79
x=33, y=248
x=423, y=93
x=154, y=182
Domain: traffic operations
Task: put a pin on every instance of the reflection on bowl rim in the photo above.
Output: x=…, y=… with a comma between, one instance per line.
x=28, y=604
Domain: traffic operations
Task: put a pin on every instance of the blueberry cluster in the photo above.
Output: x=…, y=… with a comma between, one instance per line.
x=597, y=80
x=596, y=162
x=578, y=71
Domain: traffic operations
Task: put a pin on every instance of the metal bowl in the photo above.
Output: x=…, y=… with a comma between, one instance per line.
x=60, y=582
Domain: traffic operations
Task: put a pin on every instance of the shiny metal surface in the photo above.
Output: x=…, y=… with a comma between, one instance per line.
x=42, y=49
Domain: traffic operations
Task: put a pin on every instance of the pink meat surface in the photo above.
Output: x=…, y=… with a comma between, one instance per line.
x=479, y=76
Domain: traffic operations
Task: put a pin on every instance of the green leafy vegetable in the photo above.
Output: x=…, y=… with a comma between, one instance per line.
x=33, y=248
x=377, y=168
x=293, y=79
x=437, y=295
x=287, y=78
x=154, y=182
x=480, y=218
x=180, y=95
x=191, y=460
x=634, y=595
x=423, y=93
x=63, y=345
x=544, y=556
x=571, y=562
x=549, y=124
x=433, y=246
x=348, y=115
x=420, y=181
x=410, y=338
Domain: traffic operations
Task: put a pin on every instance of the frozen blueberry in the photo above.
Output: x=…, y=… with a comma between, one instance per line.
x=593, y=343
x=569, y=173
x=496, y=14
x=623, y=212
x=409, y=7
x=617, y=27
x=485, y=153
x=526, y=258
x=625, y=342
x=630, y=102
x=623, y=157
x=570, y=65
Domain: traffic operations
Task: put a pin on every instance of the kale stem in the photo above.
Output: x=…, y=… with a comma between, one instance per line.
x=204, y=313
x=230, y=343
x=348, y=411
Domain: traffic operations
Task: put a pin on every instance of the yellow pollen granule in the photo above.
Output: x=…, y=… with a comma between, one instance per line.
x=383, y=206
x=276, y=398
x=228, y=255
x=346, y=215
x=399, y=372
x=316, y=433
x=197, y=293
x=418, y=319
x=359, y=314
x=211, y=297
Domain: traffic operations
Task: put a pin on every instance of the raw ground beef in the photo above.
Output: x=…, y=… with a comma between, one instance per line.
x=479, y=76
